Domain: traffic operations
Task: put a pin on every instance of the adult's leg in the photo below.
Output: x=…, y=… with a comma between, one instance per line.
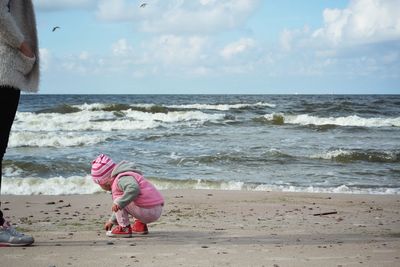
x=9, y=99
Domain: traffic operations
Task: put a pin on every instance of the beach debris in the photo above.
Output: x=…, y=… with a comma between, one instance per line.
x=50, y=203
x=24, y=220
x=110, y=243
x=325, y=213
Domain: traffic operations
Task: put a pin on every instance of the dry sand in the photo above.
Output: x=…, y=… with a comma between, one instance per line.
x=212, y=228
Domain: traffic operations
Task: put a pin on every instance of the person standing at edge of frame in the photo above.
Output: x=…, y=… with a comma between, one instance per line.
x=19, y=71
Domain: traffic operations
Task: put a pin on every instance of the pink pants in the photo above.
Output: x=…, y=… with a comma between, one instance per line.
x=145, y=215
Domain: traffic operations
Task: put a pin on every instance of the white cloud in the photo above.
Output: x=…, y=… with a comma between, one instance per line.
x=207, y=2
x=364, y=21
x=121, y=48
x=180, y=16
x=45, y=58
x=391, y=57
x=84, y=55
x=82, y=63
x=290, y=38
x=163, y=55
x=178, y=50
x=361, y=39
x=286, y=39
x=117, y=10
x=237, y=47
x=53, y=5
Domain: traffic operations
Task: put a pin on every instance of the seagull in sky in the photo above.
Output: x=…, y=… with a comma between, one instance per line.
x=143, y=5
x=55, y=28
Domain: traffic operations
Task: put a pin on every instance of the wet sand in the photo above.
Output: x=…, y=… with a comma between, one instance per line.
x=212, y=228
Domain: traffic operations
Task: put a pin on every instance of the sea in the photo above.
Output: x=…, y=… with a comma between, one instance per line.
x=291, y=143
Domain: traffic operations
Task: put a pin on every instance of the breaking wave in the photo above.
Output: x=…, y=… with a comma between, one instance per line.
x=151, y=108
x=354, y=121
x=347, y=156
x=84, y=185
x=54, y=139
x=60, y=129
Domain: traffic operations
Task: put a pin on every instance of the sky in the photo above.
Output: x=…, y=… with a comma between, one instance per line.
x=219, y=46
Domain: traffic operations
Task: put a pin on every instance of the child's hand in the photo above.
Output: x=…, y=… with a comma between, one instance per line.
x=108, y=226
x=115, y=207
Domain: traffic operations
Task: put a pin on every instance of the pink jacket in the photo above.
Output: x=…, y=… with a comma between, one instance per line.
x=149, y=196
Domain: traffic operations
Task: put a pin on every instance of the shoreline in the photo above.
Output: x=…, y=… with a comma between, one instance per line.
x=83, y=185
x=204, y=227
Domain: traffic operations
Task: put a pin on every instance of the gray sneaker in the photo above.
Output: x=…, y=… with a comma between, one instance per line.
x=9, y=237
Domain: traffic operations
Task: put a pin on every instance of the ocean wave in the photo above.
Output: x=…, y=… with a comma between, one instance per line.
x=84, y=185
x=154, y=108
x=347, y=156
x=54, y=139
x=342, y=189
x=52, y=186
x=87, y=120
x=151, y=108
x=305, y=119
x=62, y=109
x=175, y=116
x=232, y=158
x=222, y=107
x=27, y=167
x=94, y=127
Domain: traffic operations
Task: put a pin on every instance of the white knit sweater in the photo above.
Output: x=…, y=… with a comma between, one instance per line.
x=18, y=24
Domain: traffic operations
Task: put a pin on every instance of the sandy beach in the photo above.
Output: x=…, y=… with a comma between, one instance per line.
x=212, y=228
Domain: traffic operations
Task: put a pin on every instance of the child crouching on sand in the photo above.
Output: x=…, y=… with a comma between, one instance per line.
x=132, y=195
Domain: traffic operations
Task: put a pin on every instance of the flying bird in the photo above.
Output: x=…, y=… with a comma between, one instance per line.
x=55, y=28
x=143, y=5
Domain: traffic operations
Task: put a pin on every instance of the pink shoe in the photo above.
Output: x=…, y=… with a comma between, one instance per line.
x=139, y=228
x=120, y=231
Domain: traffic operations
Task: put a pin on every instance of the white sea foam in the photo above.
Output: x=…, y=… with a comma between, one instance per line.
x=340, y=189
x=78, y=121
x=84, y=185
x=175, y=116
x=354, y=120
x=91, y=107
x=91, y=126
x=53, y=139
x=222, y=107
x=331, y=154
x=106, y=121
x=51, y=186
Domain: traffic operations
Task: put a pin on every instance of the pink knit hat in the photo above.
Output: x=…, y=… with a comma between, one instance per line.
x=102, y=168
